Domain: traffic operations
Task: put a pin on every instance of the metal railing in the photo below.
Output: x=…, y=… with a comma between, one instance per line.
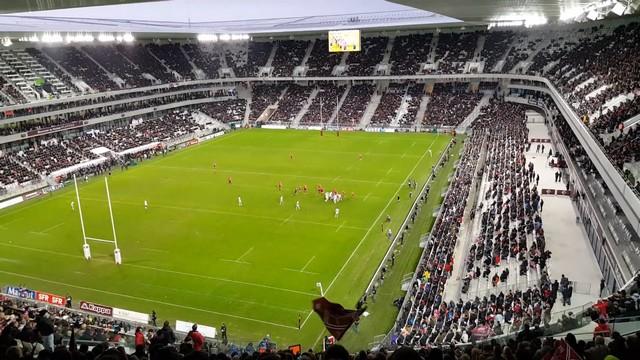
x=399, y=234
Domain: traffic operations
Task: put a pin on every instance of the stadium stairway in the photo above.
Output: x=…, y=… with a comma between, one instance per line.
x=307, y=54
x=272, y=55
x=402, y=109
x=114, y=77
x=200, y=75
x=387, y=51
x=370, y=110
x=40, y=71
x=424, y=102
x=167, y=68
x=632, y=122
x=10, y=68
x=434, y=45
x=503, y=59
x=484, y=101
x=480, y=45
x=305, y=108
x=339, y=106
x=78, y=83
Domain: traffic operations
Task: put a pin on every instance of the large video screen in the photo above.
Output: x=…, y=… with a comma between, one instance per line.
x=344, y=40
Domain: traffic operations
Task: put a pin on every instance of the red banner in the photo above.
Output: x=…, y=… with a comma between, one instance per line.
x=51, y=298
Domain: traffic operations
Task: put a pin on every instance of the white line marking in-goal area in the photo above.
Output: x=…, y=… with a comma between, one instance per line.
x=4, y=226
x=146, y=300
x=46, y=231
x=155, y=250
x=308, y=262
x=144, y=267
x=326, y=290
x=221, y=212
x=239, y=260
x=286, y=220
x=377, y=219
x=300, y=271
x=304, y=268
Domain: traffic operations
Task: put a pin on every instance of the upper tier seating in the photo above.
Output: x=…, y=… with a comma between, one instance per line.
x=81, y=67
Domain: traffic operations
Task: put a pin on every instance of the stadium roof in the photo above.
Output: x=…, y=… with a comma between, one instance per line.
x=216, y=16
x=178, y=17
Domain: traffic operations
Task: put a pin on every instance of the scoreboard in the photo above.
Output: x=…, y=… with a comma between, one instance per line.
x=344, y=40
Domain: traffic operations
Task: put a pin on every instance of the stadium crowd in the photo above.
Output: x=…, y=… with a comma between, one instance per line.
x=510, y=214
x=354, y=105
x=291, y=104
x=389, y=105
x=29, y=331
x=323, y=105
x=449, y=105
x=99, y=110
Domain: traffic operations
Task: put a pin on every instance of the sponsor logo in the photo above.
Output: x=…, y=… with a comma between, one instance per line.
x=96, y=309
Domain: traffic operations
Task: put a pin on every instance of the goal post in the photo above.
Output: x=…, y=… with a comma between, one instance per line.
x=86, y=249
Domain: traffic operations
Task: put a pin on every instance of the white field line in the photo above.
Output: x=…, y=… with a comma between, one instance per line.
x=287, y=219
x=317, y=151
x=370, y=228
x=144, y=267
x=305, y=320
x=341, y=225
x=262, y=173
x=146, y=300
x=225, y=298
x=239, y=260
x=4, y=226
x=308, y=263
x=390, y=170
x=301, y=271
x=45, y=232
x=304, y=268
x=155, y=250
x=220, y=212
x=326, y=290
x=366, y=197
x=16, y=210
x=236, y=261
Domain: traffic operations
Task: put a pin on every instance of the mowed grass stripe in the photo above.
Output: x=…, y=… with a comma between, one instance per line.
x=187, y=242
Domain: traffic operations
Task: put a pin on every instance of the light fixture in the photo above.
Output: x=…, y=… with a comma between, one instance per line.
x=51, y=38
x=79, y=38
x=6, y=41
x=207, y=37
x=106, y=38
x=519, y=19
x=225, y=37
x=128, y=37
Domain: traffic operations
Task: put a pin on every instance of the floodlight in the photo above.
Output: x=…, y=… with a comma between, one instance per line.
x=6, y=41
x=106, y=38
x=207, y=37
x=51, y=38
